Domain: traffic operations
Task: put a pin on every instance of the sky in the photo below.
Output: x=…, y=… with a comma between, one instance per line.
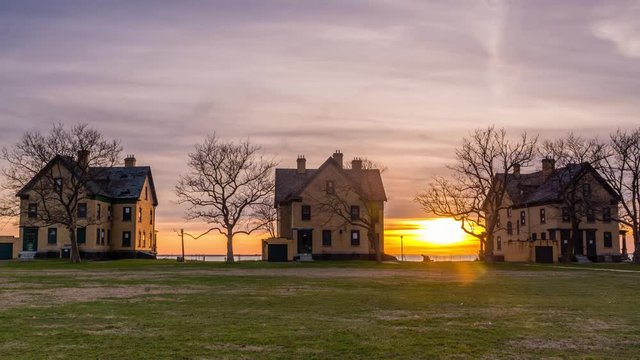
x=398, y=82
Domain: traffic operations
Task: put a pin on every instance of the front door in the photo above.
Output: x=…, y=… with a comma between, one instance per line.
x=564, y=241
x=579, y=247
x=30, y=239
x=305, y=241
x=592, y=254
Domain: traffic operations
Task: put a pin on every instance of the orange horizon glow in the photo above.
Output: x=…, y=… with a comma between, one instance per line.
x=429, y=236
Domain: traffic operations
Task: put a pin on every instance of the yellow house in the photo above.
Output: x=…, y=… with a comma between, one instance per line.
x=115, y=219
x=534, y=222
x=322, y=212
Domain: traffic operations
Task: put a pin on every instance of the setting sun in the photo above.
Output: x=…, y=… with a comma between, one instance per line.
x=443, y=231
x=431, y=236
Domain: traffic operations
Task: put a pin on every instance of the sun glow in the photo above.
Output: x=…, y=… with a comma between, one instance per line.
x=431, y=236
x=443, y=231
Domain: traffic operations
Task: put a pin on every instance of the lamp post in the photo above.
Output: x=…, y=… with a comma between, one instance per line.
x=401, y=248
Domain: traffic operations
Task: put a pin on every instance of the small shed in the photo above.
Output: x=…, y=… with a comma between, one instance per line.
x=277, y=250
x=9, y=247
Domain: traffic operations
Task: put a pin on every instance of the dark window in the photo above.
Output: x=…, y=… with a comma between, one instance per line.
x=102, y=236
x=355, y=237
x=543, y=235
x=522, y=218
x=139, y=215
x=499, y=243
x=33, y=210
x=509, y=228
x=52, y=236
x=566, y=217
x=326, y=237
x=543, y=216
x=97, y=236
x=57, y=185
x=98, y=211
x=586, y=189
x=108, y=212
x=591, y=215
x=82, y=210
x=534, y=236
x=139, y=238
x=146, y=196
x=608, y=240
x=509, y=212
x=331, y=187
x=81, y=235
x=552, y=234
x=606, y=214
x=355, y=212
x=126, y=213
x=498, y=219
x=150, y=216
x=108, y=236
x=126, y=239
x=306, y=212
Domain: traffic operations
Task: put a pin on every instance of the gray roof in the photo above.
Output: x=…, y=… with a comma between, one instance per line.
x=290, y=183
x=121, y=182
x=534, y=189
x=116, y=183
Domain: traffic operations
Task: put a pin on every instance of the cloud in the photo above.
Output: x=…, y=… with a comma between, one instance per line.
x=622, y=29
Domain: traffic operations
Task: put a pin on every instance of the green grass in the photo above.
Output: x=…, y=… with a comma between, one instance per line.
x=361, y=310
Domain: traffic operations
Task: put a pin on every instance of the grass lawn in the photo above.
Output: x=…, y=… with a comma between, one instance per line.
x=344, y=310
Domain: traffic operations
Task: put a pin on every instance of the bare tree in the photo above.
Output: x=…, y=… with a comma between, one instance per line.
x=268, y=214
x=339, y=204
x=227, y=185
x=622, y=171
x=475, y=192
x=574, y=153
x=57, y=181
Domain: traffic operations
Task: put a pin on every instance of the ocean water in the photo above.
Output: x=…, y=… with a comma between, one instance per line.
x=407, y=257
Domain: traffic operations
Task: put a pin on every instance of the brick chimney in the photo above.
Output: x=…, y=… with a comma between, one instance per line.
x=83, y=158
x=130, y=161
x=548, y=165
x=302, y=164
x=338, y=157
x=356, y=164
x=516, y=170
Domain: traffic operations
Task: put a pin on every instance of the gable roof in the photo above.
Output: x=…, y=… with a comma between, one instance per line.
x=116, y=183
x=530, y=189
x=290, y=183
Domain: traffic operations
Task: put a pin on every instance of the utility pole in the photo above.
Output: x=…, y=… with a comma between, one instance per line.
x=401, y=248
x=182, y=240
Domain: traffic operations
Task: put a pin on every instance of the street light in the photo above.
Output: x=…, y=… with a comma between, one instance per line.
x=401, y=248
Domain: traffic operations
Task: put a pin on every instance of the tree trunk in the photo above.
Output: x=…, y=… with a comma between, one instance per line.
x=374, y=240
x=230, y=259
x=75, y=249
x=573, y=240
x=488, y=248
x=636, y=244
